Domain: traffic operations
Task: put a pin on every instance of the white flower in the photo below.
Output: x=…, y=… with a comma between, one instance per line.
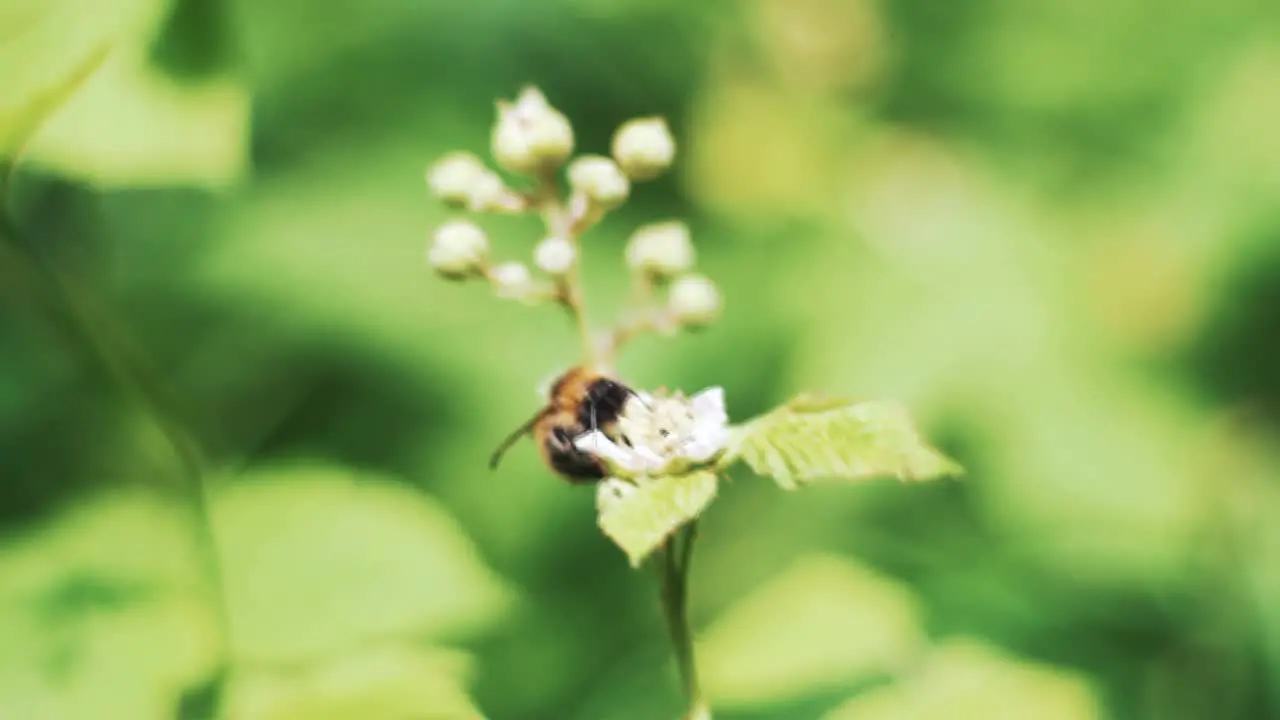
x=663, y=435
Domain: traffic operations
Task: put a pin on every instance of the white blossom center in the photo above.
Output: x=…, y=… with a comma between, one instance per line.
x=663, y=435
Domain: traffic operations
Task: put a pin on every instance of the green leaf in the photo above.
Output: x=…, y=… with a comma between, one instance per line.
x=107, y=662
x=133, y=126
x=105, y=612
x=394, y=681
x=316, y=558
x=821, y=625
x=809, y=439
x=48, y=49
x=81, y=96
x=641, y=520
x=968, y=680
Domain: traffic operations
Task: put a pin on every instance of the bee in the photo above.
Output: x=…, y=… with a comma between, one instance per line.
x=581, y=400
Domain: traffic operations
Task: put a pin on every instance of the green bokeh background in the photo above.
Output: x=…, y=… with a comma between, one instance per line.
x=1050, y=228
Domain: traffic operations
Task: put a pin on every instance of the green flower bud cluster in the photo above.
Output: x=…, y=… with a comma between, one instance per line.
x=532, y=139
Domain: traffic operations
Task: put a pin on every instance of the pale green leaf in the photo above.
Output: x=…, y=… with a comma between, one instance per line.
x=316, y=558
x=641, y=520
x=48, y=48
x=967, y=680
x=105, y=661
x=395, y=681
x=104, y=612
x=128, y=539
x=810, y=439
x=81, y=97
x=133, y=126
x=823, y=624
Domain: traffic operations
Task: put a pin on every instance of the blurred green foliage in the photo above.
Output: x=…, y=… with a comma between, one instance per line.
x=1049, y=229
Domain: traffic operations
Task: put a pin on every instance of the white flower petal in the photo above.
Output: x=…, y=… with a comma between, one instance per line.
x=708, y=406
x=705, y=447
x=647, y=461
x=599, y=444
x=620, y=457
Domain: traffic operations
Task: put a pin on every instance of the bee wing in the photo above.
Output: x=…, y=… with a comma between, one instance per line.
x=515, y=436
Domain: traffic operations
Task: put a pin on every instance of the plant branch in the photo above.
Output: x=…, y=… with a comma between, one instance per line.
x=676, y=559
x=560, y=222
x=638, y=323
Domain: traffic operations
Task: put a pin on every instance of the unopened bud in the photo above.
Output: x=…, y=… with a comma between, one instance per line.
x=644, y=147
x=555, y=255
x=512, y=279
x=489, y=192
x=600, y=180
x=694, y=301
x=454, y=177
x=530, y=135
x=661, y=249
x=459, y=249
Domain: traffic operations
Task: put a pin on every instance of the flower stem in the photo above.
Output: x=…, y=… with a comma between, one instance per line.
x=559, y=221
x=676, y=559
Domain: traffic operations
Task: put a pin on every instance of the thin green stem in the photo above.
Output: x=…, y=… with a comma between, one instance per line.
x=676, y=561
x=86, y=325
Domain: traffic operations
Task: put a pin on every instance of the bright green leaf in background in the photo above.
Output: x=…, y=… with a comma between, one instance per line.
x=103, y=661
x=47, y=50
x=808, y=440
x=83, y=98
x=824, y=623
x=102, y=615
x=316, y=558
x=967, y=680
x=333, y=578
x=641, y=520
x=386, y=683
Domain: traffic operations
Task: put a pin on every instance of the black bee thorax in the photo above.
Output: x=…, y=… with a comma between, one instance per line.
x=603, y=403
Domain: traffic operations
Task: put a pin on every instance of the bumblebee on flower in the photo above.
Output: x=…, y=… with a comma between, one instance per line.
x=655, y=458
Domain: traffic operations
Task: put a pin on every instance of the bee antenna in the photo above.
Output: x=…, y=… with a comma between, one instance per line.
x=514, y=437
x=643, y=402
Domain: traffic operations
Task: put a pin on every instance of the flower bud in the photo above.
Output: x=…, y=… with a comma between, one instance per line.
x=458, y=249
x=555, y=255
x=512, y=279
x=661, y=249
x=600, y=180
x=694, y=300
x=489, y=193
x=530, y=135
x=454, y=177
x=644, y=147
